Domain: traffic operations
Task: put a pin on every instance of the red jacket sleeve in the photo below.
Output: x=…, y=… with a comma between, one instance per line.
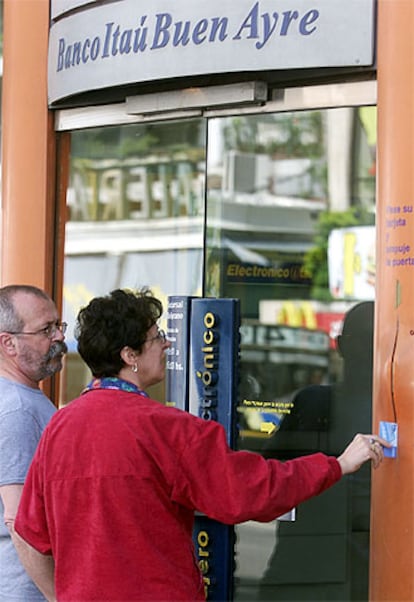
x=235, y=486
x=31, y=521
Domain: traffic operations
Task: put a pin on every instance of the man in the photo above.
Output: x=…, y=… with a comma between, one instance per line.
x=31, y=349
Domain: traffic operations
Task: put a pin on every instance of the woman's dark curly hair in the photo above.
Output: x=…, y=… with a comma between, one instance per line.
x=110, y=323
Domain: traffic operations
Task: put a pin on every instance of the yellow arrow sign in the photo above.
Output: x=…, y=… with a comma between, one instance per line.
x=268, y=428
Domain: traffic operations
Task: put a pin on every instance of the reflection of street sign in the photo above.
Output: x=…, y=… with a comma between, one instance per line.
x=326, y=317
x=280, y=336
x=292, y=272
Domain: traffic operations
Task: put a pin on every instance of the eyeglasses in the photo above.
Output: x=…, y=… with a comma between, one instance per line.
x=160, y=335
x=48, y=331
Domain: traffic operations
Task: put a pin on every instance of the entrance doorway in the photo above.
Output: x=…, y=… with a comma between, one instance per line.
x=276, y=208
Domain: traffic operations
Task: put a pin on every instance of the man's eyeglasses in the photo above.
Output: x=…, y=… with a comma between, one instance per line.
x=160, y=335
x=48, y=331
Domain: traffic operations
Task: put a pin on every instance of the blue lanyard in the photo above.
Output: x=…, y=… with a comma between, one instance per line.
x=112, y=382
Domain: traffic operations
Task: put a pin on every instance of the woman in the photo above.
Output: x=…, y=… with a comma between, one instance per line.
x=117, y=477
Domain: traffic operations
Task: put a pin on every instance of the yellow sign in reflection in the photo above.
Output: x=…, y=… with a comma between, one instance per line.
x=268, y=428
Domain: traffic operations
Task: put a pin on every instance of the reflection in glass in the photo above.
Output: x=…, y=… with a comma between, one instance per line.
x=135, y=217
x=290, y=201
x=290, y=225
x=137, y=172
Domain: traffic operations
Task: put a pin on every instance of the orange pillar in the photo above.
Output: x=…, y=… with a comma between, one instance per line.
x=392, y=543
x=27, y=148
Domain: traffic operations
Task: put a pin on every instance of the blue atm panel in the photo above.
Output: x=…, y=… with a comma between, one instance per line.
x=213, y=394
x=214, y=361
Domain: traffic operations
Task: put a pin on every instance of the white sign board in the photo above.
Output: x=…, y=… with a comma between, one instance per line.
x=125, y=42
x=351, y=263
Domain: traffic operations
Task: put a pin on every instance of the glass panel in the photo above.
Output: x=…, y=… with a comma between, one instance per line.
x=290, y=232
x=135, y=218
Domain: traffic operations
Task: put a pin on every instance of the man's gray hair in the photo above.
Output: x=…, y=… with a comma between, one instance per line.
x=10, y=321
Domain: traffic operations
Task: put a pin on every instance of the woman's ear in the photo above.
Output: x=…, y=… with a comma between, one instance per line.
x=128, y=356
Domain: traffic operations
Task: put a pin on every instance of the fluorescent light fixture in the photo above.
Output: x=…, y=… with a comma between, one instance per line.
x=248, y=93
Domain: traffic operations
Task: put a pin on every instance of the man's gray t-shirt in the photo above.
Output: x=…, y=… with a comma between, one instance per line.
x=24, y=413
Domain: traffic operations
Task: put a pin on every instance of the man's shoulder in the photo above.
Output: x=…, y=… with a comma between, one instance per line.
x=16, y=397
x=10, y=396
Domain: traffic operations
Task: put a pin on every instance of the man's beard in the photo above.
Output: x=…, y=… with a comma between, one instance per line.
x=50, y=365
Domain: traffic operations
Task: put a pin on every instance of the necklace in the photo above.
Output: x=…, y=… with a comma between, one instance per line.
x=113, y=382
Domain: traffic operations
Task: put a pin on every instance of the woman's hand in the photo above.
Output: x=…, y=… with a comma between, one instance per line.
x=362, y=449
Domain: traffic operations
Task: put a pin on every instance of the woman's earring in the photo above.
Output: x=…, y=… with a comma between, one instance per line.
x=134, y=368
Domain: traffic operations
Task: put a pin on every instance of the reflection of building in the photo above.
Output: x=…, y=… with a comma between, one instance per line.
x=255, y=173
x=106, y=255
x=133, y=189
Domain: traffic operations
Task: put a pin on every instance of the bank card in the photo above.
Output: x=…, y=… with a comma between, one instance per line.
x=389, y=432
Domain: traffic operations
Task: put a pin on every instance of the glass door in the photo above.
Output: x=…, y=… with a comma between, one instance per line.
x=276, y=208
x=291, y=233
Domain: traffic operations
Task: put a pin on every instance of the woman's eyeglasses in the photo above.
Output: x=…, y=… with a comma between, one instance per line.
x=160, y=335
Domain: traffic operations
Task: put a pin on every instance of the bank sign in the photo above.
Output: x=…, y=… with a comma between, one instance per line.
x=100, y=45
